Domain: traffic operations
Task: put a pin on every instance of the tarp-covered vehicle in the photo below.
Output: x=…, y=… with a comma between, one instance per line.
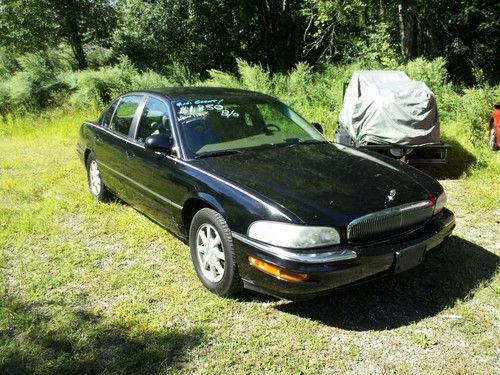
x=387, y=112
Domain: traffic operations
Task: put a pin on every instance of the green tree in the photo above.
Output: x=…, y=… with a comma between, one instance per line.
x=200, y=35
x=206, y=35
x=464, y=32
x=36, y=25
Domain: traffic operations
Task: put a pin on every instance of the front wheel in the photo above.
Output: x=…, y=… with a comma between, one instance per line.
x=212, y=253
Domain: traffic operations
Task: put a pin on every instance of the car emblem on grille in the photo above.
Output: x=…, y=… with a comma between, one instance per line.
x=391, y=195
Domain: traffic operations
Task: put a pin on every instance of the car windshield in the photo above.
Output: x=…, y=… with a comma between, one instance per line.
x=223, y=125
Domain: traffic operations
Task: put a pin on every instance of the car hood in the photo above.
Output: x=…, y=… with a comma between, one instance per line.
x=323, y=183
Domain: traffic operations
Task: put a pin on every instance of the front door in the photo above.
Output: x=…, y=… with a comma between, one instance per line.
x=154, y=174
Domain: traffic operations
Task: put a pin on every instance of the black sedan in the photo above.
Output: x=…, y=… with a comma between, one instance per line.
x=265, y=201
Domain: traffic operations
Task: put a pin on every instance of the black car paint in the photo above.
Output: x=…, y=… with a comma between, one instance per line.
x=312, y=184
x=323, y=184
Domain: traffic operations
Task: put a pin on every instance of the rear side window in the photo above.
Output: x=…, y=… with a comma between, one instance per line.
x=108, y=114
x=124, y=114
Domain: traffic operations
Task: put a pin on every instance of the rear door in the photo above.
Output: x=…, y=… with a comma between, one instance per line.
x=110, y=142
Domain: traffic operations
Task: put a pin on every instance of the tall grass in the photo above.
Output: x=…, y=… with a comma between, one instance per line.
x=61, y=123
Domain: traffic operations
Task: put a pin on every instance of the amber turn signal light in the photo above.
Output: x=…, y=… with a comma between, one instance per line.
x=277, y=272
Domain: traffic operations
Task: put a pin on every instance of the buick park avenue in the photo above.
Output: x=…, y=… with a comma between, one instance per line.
x=263, y=199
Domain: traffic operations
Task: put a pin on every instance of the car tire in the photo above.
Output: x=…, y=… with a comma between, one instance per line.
x=212, y=252
x=96, y=185
x=492, y=142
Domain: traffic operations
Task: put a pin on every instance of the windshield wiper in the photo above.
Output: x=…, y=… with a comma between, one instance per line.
x=218, y=153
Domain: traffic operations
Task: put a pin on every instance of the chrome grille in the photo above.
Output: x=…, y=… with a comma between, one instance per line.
x=389, y=221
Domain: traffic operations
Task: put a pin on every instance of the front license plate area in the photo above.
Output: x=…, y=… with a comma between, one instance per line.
x=409, y=258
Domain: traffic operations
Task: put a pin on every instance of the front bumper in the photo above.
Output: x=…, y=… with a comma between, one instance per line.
x=338, y=266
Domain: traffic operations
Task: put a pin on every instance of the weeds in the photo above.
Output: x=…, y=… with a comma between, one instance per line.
x=422, y=340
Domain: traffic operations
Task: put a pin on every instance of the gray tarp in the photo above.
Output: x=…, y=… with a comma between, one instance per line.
x=387, y=107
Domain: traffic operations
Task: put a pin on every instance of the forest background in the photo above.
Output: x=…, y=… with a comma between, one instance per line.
x=46, y=45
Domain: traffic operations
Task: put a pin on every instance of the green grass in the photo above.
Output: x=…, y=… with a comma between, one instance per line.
x=98, y=288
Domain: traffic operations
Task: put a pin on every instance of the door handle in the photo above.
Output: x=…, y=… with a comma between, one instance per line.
x=130, y=154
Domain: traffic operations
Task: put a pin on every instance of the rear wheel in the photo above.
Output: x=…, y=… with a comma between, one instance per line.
x=492, y=141
x=212, y=253
x=96, y=184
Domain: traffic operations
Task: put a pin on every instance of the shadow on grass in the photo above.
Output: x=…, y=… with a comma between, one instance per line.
x=460, y=161
x=247, y=295
x=449, y=274
x=52, y=339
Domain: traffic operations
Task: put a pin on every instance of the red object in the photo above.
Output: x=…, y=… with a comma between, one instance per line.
x=495, y=121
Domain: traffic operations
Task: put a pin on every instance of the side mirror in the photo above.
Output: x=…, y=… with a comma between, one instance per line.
x=159, y=142
x=318, y=126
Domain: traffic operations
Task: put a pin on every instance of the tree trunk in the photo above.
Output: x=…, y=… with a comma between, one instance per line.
x=73, y=33
x=407, y=30
x=264, y=25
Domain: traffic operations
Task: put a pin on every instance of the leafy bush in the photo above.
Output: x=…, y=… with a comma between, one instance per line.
x=180, y=75
x=254, y=77
x=473, y=110
x=318, y=95
x=310, y=94
x=376, y=49
x=433, y=73
x=223, y=79
x=4, y=99
x=293, y=88
x=36, y=83
x=150, y=80
x=98, y=56
x=8, y=64
x=250, y=77
x=97, y=87
x=303, y=89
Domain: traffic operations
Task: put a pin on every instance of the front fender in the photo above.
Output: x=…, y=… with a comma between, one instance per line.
x=238, y=206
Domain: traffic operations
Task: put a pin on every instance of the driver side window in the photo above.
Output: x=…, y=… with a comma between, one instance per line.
x=154, y=120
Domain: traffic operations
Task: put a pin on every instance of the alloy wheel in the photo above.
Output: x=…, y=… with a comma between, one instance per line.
x=94, y=178
x=210, y=252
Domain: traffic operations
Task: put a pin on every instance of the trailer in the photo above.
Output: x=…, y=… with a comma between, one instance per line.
x=389, y=113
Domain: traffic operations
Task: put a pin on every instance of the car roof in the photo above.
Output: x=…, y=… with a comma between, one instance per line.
x=200, y=92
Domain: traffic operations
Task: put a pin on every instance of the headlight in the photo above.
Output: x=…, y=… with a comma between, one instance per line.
x=292, y=235
x=440, y=202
